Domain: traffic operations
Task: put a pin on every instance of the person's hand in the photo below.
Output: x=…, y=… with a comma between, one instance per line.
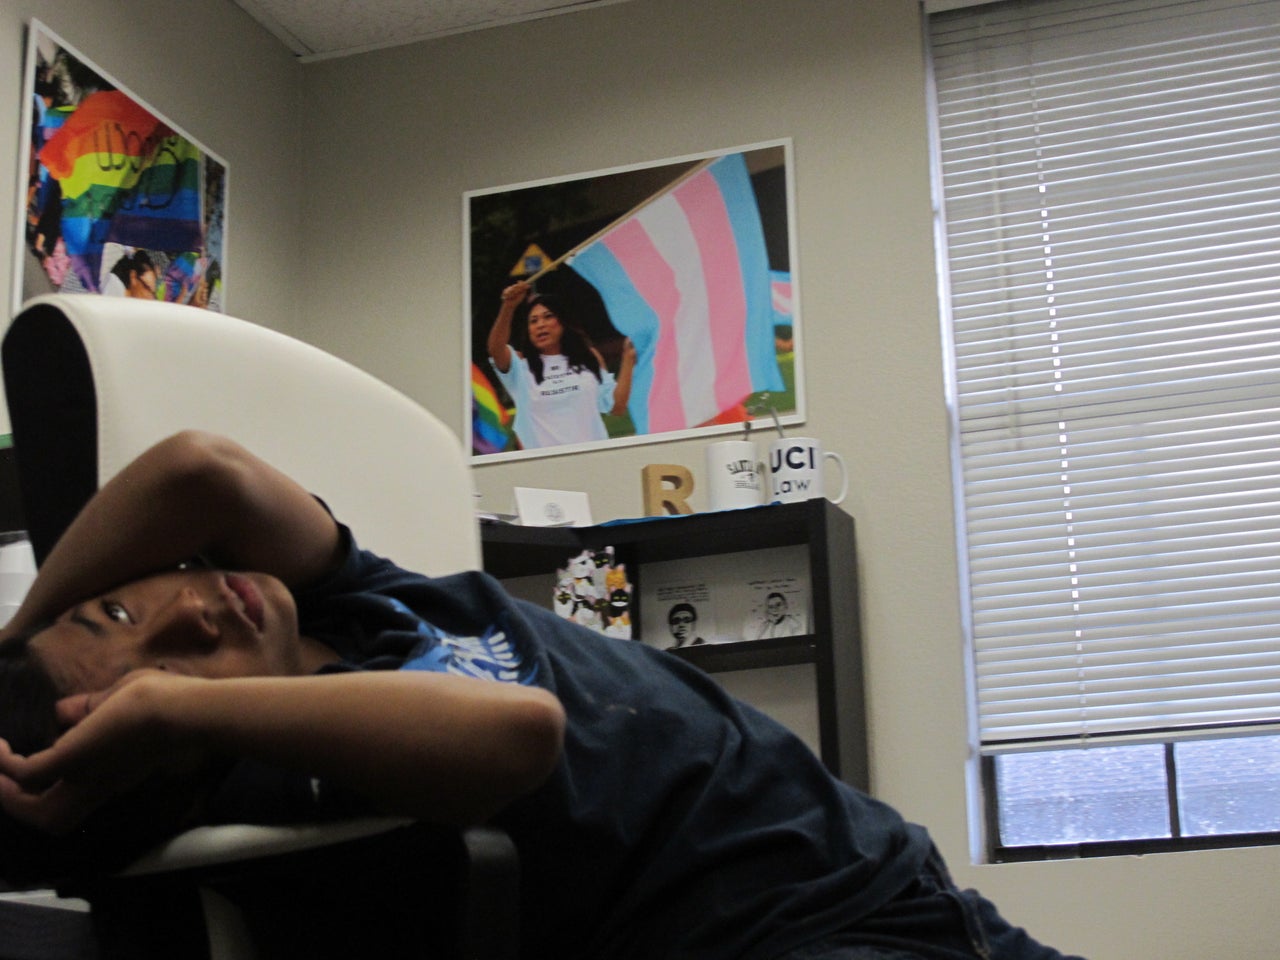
x=116, y=739
x=628, y=351
x=516, y=292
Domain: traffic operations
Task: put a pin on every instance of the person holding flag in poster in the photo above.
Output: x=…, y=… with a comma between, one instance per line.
x=558, y=381
x=684, y=276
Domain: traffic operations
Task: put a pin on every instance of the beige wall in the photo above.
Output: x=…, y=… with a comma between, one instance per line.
x=368, y=263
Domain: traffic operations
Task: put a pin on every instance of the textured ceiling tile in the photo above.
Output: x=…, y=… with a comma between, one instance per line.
x=333, y=27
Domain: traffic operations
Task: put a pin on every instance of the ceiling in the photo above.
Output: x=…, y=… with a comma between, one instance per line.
x=321, y=29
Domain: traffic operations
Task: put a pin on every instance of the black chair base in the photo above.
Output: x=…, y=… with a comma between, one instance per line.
x=413, y=892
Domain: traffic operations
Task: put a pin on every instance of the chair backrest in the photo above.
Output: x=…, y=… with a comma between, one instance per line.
x=92, y=381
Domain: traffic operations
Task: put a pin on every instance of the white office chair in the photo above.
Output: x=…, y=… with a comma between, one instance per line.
x=91, y=382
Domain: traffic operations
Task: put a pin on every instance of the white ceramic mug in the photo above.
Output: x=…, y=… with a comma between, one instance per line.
x=734, y=477
x=796, y=470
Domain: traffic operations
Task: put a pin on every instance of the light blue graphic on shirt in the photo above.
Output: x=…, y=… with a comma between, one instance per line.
x=490, y=656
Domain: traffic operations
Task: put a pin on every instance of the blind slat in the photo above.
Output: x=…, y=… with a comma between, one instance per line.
x=1110, y=172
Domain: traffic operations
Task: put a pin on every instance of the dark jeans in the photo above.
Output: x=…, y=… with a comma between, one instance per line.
x=931, y=920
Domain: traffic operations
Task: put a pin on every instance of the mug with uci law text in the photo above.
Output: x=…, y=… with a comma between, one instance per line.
x=734, y=476
x=796, y=467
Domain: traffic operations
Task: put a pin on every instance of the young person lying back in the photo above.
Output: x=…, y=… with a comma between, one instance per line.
x=655, y=816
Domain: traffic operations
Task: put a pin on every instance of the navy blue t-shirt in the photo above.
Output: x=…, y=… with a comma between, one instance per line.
x=679, y=821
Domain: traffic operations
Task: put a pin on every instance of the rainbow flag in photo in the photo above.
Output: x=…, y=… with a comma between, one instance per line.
x=163, y=212
x=125, y=177
x=686, y=277
x=490, y=420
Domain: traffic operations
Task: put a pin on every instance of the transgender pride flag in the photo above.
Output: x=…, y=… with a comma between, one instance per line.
x=686, y=277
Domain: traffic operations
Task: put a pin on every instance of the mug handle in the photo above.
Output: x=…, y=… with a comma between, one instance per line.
x=844, y=476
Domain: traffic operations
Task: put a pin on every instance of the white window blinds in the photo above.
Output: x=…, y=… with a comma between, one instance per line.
x=1111, y=177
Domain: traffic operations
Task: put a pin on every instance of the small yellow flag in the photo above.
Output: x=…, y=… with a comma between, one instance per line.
x=530, y=262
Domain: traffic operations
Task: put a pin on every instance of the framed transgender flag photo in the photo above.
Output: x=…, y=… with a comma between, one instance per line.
x=632, y=305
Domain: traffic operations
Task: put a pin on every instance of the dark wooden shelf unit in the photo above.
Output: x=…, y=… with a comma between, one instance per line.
x=834, y=645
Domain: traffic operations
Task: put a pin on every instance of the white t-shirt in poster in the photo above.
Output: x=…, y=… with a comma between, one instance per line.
x=564, y=408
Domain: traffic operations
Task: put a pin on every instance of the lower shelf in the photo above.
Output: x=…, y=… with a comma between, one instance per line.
x=751, y=654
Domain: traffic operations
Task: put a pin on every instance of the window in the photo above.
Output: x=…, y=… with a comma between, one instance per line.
x=1109, y=214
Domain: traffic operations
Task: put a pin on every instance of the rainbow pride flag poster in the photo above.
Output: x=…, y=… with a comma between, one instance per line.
x=673, y=300
x=119, y=200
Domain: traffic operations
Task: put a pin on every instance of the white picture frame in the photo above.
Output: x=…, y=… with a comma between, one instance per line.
x=146, y=199
x=602, y=303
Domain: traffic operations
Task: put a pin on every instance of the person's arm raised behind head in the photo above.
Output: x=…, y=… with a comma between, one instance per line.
x=193, y=494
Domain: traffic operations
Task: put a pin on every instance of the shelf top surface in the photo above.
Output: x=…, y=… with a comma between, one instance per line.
x=511, y=549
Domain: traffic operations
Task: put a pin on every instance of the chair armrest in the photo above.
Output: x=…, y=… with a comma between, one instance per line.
x=216, y=846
